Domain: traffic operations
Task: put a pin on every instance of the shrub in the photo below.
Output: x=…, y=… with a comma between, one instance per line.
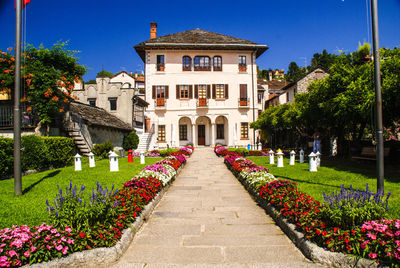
x=35, y=154
x=241, y=151
x=131, y=141
x=101, y=150
x=351, y=207
x=60, y=151
x=6, y=156
x=167, y=152
x=70, y=209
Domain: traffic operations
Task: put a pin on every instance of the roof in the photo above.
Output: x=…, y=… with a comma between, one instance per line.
x=140, y=78
x=274, y=84
x=199, y=39
x=141, y=102
x=98, y=117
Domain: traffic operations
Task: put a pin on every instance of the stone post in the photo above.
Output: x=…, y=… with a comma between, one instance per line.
x=279, y=158
x=301, y=156
x=142, y=158
x=271, y=157
x=318, y=158
x=313, y=162
x=91, y=160
x=78, y=163
x=113, y=162
x=292, y=158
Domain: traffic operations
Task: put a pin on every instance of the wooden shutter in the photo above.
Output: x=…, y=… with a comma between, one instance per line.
x=243, y=91
x=226, y=91
x=208, y=92
x=190, y=92
x=177, y=92
x=154, y=92
x=196, y=91
x=214, y=91
x=166, y=92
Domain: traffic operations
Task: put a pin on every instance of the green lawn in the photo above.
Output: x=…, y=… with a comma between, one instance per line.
x=333, y=173
x=30, y=208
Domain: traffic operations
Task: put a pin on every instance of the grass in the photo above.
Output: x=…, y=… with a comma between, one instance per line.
x=30, y=208
x=333, y=173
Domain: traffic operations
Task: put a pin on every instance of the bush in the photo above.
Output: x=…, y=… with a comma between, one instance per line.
x=101, y=150
x=242, y=151
x=131, y=141
x=6, y=156
x=35, y=154
x=60, y=151
x=166, y=152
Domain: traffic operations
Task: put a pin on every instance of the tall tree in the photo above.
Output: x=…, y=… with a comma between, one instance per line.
x=104, y=73
x=294, y=72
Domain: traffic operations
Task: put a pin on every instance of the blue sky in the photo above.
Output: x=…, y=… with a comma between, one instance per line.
x=105, y=31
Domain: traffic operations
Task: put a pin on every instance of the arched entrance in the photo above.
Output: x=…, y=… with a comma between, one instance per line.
x=221, y=130
x=185, y=131
x=203, y=130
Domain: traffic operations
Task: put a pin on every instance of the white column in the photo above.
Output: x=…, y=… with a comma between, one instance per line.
x=212, y=135
x=173, y=142
x=194, y=134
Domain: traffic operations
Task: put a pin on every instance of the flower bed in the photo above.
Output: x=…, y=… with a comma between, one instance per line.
x=115, y=211
x=378, y=240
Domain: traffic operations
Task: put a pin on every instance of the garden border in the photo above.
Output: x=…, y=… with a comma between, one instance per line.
x=112, y=254
x=309, y=250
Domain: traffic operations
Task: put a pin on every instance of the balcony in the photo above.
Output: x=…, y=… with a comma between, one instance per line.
x=160, y=104
x=202, y=103
x=7, y=116
x=160, y=67
x=242, y=67
x=244, y=102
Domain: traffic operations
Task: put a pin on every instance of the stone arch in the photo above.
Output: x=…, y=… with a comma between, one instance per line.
x=203, y=133
x=186, y=127
x=92, y=92
x=126, y=85
x=221, y=133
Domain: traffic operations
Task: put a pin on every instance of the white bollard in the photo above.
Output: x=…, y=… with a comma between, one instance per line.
x=292, y=158
x=271, y=157
x=142, y=159
x=113, y=162
x=318, y=158
x=313, y=162
x=78, y=162
x=259, y=146
x=301, y=160
x=279, y=159
x=91, y=160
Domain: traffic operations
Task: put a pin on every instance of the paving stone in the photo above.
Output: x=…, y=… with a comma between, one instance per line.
x=265, y=254
x=229, y=240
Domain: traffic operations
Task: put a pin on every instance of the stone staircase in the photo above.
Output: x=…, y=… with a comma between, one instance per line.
x=144, y=142
x=79, y=141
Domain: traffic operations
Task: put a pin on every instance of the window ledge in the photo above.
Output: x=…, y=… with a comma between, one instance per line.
x=220, y=99
x=244, y=139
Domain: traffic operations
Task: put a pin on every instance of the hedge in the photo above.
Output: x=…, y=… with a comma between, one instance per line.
x=38, y=153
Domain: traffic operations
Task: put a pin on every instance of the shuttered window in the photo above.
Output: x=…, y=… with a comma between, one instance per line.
x=161, y=133
x=244, y=130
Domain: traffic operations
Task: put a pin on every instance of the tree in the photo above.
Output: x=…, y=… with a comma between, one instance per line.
x=48, y=77
x=322, y=60
x=104, y=73
x=294, y=72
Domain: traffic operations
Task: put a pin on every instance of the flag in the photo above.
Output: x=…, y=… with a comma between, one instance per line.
x=24, y=3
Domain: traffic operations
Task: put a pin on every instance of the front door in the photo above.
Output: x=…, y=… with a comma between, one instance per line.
x=201, y=134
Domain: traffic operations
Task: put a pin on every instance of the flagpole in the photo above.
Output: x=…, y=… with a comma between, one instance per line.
x=378, y=97
x=17, y=112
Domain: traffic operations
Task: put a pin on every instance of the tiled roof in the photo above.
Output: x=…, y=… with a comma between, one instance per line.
x=199, y=39
x=98, y=117
x=274, y=84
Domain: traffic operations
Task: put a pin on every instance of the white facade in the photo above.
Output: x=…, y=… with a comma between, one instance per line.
x=222, y=119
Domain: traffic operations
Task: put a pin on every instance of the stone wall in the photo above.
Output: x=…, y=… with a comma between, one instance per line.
x=100, y=135
x=303, y=84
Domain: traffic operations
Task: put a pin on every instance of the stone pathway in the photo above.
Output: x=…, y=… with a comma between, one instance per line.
x=207, y=219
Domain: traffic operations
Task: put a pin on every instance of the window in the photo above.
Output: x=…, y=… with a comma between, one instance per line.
x=220, y=91
x=92, y=102
x=217, y=62
x=113, y=104
x=202, y=63
x=160, y=63
x=183, y=132
x=183, y=91
x=242, y=64
x=186, y=63
x=202, y=91
x=161, y=133
x=259, y=97
x=220, y=131
x=287, y=97
x=244, y=131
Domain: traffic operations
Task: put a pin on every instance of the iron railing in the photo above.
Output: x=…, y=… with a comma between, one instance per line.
x=7, y=116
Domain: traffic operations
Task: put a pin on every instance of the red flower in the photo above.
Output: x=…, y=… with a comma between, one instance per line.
x=324, y=233
x=82, y=235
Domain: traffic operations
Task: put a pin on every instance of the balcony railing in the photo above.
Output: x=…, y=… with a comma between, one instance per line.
x=160, y=67
x=7, y=116
x=242, y=67
x=160, y=103
x=244, y=102
x=202, y=103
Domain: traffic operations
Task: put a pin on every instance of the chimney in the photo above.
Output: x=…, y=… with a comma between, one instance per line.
x=135, y=75
x=153, y=30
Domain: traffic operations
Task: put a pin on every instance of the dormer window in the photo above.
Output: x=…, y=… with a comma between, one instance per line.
x=160, y=63
x=217, y=63
x=202, y=63
x=186, y=63
x=242, y=64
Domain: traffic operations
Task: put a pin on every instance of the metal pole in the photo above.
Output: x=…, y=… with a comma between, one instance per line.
x=252, y=88
x=378, y=97
x=17, y=112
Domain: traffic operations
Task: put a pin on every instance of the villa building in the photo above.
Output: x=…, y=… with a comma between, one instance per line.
x=201, y=88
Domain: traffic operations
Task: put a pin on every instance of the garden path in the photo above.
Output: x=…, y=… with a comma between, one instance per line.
x=207, y=219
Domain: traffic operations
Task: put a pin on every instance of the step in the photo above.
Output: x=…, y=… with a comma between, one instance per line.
x=82, y=146
x=80, y=142
x=74, y=133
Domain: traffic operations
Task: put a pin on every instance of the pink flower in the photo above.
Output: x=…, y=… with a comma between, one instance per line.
x=373, y=255
x=27, y=253
x=65, y=250
x=68, y=229
x=372, y=236
x=70, y=241
x=53, y=231
x=397, y=233
x=12, y=253
x=48, y=247
x=364, y=245
x=59, y=247
x=63, y=239
x=389, y=254
x=33, y=248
